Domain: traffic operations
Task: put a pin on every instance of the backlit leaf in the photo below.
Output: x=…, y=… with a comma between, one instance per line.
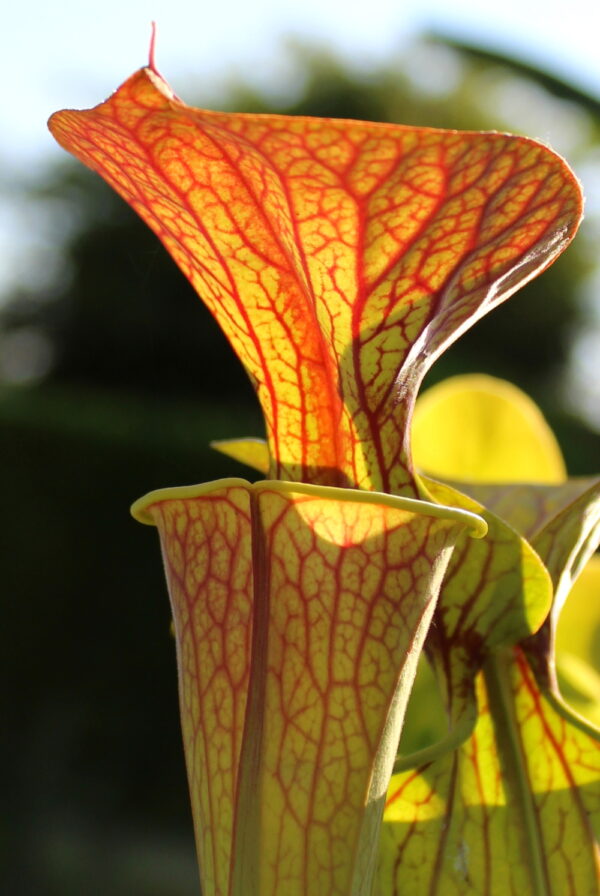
x=299, y=615
x=562, y=523
x=339, y=257
x=515, y=808
x=252, y=452
x=514, y=811
x=481, y=429
x=496, y=592
x=578, y=644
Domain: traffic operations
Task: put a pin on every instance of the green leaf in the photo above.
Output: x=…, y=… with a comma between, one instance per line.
x=515, y=807
x=514, y=810
x=477, y=428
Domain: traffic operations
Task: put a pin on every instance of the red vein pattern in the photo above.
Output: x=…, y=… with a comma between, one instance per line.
x=496, y=593
x=529, y=507
x=562, y=523
x=516, y=807
x=208, y=556
x=339, y=257
x=299, y=620
x=446, y=828
x=515, y=810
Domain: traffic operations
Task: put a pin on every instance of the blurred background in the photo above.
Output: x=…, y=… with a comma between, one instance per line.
x=113, y=377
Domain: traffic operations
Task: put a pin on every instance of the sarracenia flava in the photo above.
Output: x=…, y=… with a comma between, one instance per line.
x=509, y=800
x=340, y=258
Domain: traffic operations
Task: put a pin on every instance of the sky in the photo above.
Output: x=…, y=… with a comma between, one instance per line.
x=72, y=54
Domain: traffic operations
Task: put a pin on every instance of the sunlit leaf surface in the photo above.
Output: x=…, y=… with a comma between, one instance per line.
x=509, y=801
x=578, y=628
x=299, y=615
x=578, y=644
x=496, y=592
x=478, y=428
x=562, y=523
x=252, y=452
x=515, y=810
x=339, y=257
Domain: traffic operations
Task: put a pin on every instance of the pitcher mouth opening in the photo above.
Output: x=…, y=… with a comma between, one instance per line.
x=140, y=509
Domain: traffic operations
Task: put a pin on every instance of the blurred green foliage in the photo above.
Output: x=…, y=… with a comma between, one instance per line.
x=139, y=379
